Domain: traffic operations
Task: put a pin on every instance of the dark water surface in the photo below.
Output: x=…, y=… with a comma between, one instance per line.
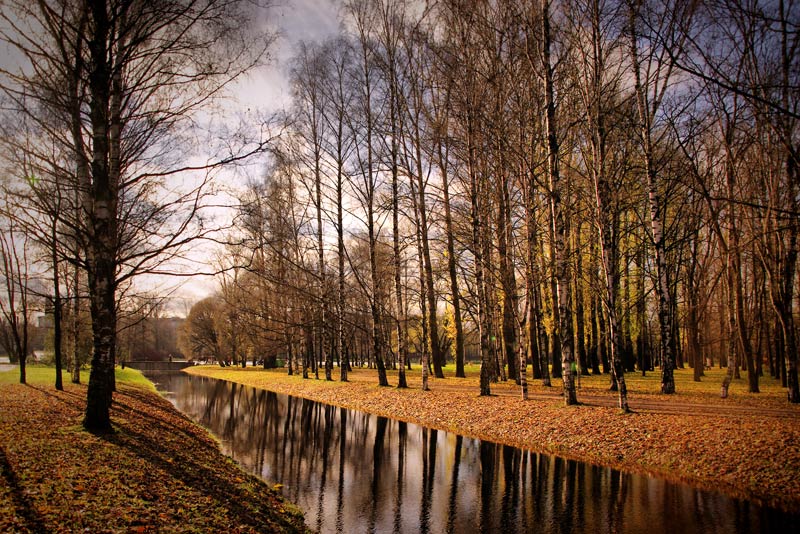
x=354, y=472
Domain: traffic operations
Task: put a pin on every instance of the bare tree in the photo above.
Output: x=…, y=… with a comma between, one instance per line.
x=599, y=93
x=137, y=73
x=308, y=76
x=364, y=16
x=559, y=217
x=15, y=301
x=390, y=30
x=654, y=40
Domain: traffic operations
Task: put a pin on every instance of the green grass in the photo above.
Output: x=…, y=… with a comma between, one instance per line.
x=134, y=377
x=43, y=375
x=34, y=375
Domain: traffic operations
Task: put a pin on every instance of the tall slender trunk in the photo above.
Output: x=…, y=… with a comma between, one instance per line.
x=375, y=307
x=532, y=328
x=76, y=329
x=603, y=199
x=451, y=265
x=608, y=254
x=542, y=331
x=318, y=353
x=580, y=320
x=82, y=189
x=732, y=347
x=555, y=345
x=57, y=308
x=478, y=249
x=530, y=288
x=594, y=350
x=423, y=286
x=340, y=252
x=389, y=24
x=693, y=312
x=425, y=360
x=433, y=326
x=659, y=243
x=642, y=339
x=508, y=280
x=560, y=226
x=401, y=317
x=375, y=312
x=792, y=165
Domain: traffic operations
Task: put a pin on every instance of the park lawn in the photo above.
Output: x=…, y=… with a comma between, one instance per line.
x=747, y=445
x=158, y=472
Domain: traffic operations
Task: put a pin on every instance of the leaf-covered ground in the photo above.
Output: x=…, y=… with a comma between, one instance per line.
x=747, y=445
x=157, y=473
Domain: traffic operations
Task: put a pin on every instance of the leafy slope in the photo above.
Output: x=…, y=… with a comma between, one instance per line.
x=158, y=472
x=747, y=446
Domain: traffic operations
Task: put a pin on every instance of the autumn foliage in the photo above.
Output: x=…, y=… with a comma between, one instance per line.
x=158, y=472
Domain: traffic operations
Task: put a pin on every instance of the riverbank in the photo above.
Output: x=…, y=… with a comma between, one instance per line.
x=158, y=472
x=747, y=446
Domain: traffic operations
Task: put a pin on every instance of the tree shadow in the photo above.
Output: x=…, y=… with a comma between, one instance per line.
x=22, y=505
x=199, y=467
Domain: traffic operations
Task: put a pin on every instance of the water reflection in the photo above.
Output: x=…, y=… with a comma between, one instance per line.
x=354, y=472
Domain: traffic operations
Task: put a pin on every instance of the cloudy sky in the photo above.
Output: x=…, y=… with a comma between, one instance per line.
x=263, y=92
x=267, y=90
x=294, y=21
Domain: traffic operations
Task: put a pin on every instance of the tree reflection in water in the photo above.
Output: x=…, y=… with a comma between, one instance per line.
x=354, y=472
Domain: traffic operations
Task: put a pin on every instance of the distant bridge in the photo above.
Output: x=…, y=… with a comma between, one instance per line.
x=147, y=366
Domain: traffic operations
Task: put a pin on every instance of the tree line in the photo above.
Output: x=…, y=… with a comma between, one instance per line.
x=573, y=186
x=576, y=186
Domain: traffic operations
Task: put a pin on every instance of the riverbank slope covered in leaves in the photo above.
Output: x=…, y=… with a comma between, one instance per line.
x=158, y=472
x=747, y=446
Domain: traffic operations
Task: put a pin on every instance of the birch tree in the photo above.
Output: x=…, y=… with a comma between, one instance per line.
x=654, y=38
x=594, y=47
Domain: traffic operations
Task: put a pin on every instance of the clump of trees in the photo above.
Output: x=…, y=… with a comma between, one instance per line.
x=98, y=119
x=575, y=186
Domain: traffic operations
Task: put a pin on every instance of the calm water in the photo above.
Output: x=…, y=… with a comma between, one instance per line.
x=354, y=472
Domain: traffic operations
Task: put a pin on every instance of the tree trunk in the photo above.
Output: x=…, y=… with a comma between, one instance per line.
x=433, y=326
x=375, y=307
x=595, y=344
x=580, y=336
x=508, y=280
x=478, y=251
x=451, y=266
x=401, y=317
x=656, y=223
x=560, y=225
x=102, y=210
x=693, y=345
x=531, y=286
x=76, y=329
x=340, y=252
x=608, y=241
x=542, y=333
x=423, y=287
x=57, y=308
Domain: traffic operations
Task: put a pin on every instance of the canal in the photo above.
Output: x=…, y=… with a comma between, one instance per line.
x=354, y=472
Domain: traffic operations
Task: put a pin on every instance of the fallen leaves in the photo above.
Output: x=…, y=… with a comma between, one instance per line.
x=158, y=472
